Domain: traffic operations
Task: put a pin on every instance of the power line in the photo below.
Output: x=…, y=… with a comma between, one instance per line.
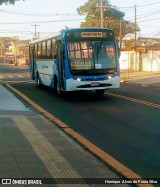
x=12, y=31
x=139, y=6
x=148, y=20
x=32, y=22
x=148, y=4
x=149, y=26
x=149, y=14
x=38, y=14
x=146, y=15
x=21, y=32
x=127, y=7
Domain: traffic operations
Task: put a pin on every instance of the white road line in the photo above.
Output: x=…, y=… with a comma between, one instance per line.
x=10, y=76
x=14, y=76
x=21, y=76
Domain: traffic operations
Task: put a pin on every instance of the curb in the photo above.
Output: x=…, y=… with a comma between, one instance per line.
x=106, y=158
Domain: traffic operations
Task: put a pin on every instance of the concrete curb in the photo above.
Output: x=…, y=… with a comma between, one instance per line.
x=109, y=160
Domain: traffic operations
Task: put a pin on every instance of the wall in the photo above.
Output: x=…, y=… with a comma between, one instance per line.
x=139, y=61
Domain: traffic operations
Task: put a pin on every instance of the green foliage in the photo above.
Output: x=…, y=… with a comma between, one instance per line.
x=111, y=15
x=8, y=1
x=4, y=41
x=128, y=44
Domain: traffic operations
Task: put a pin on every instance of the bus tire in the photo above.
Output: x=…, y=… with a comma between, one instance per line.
x=100, y=93
x=56, y=86
x=38, y=81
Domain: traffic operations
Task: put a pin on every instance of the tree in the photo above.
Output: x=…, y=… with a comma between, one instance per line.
x=113, y=18
x=8, y=1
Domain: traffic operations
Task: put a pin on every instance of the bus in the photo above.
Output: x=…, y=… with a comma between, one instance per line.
x=75, y=60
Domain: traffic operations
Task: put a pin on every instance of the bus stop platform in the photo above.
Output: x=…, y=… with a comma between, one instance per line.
x=33, y=150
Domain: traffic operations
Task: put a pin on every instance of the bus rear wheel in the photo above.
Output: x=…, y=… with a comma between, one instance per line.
x=38, y=81
x=57, y=87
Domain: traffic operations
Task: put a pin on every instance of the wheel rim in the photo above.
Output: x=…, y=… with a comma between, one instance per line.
x=38, y=81
x=57, y=88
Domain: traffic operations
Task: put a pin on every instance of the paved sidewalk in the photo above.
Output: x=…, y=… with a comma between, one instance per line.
x=139, y=77
x=33, y=147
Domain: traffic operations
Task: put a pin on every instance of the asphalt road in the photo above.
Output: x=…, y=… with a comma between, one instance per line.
x=127, y=129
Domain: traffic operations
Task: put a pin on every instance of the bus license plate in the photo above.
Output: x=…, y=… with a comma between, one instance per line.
x=95, y=84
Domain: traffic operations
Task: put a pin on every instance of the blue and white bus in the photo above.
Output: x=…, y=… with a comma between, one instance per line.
x=76, y=59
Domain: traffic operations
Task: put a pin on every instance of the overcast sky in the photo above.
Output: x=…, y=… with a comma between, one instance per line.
x=53, y=15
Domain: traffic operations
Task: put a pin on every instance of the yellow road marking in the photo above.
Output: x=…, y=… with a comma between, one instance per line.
x=47, y=114
x=134, y=100
x=126, y=172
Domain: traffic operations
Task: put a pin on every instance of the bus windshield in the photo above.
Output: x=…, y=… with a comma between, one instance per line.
x=91, y=55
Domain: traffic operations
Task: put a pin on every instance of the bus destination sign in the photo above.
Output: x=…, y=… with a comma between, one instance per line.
x=91, y=34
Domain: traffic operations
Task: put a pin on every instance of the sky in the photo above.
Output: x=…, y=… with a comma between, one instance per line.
x=53, y=15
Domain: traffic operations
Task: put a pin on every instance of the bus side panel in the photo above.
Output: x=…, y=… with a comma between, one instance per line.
x=46, y=69
x=32, y=63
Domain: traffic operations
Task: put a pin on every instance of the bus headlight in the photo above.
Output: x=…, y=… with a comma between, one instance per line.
x=79, y=79
x=109, y=77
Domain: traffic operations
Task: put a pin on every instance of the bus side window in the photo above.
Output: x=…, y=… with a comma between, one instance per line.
x=39, y=52
x=44, y=50
x=49, y=50
x=35, y=50
x=71, y=50
x=54, y=48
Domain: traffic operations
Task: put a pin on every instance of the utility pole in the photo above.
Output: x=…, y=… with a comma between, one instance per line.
x=135, y=38
x=35, y=33
x=102, y=16
x=102, y=13
x=120, y=33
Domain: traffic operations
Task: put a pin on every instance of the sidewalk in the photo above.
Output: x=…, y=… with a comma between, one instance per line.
x=142, y=78
x=33, y=147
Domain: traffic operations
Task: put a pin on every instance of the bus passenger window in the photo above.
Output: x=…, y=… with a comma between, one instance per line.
x=54, y=48
x=44, y=50
x=49, y=50
x=39, y=52
x=35, y=50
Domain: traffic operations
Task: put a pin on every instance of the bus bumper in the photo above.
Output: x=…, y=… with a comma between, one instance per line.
x=75, y=85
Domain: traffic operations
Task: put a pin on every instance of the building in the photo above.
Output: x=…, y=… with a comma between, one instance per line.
x=14, y=50
x=144, y=57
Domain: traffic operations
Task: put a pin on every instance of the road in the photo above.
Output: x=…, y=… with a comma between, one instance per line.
x=124, y=123
x=12, y=73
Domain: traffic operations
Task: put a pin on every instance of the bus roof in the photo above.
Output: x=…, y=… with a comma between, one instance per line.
x=45, y=38
x=56, y=34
